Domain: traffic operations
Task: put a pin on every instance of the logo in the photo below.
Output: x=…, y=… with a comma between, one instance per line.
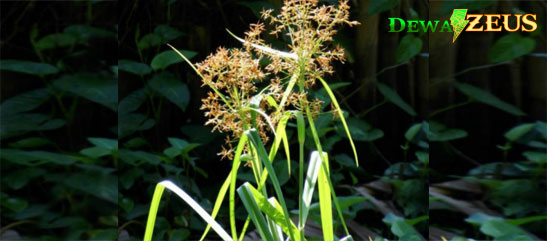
x=461, y=21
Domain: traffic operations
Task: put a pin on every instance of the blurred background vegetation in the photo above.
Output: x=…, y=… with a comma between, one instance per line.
x=82, y=148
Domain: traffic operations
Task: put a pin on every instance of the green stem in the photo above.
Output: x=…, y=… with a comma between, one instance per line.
x=450, y=107
x=373, y=108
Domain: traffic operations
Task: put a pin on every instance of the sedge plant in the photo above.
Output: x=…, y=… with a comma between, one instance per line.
x=253, y=105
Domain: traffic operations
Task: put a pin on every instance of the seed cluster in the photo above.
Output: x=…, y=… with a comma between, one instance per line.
x=234, y=104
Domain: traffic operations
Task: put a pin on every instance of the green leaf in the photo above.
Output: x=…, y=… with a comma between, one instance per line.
x=171, y=88
x=31, y=142
x=485, y=97
x=133, y=67
x=309, y=186
x=409, y=47
x=128, y=177
x=325, y=202
x=394, y=98
x=27, y=67
x=109, y=144
x=101, y=186
x=273, y=212
x=24, y=102
x=160, y=187
x=535, y=156
x=510, y=47
x=399, y=226
x=179, y=235
x=19, y=178
x=218, y=202
x=104, y=234
x=519, y=131
x=15, y=204
x=361, y=130
x=259, y=146
x=439, y=132
x=31, y=158
x=127, y=204
x=381, y=6
x=55, y=40
x=84, y=32
x=133, y=101
x=345, y=202
x=132, y=122
x=167, y=33
x=11, y=125
x=94, y=87
x=254, y=211
x=500, y=228
x=342, y=118
x=95, y=152
x=169, y=57
x=149, y=40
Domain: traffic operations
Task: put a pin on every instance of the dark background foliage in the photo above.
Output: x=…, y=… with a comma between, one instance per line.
x=402, y=92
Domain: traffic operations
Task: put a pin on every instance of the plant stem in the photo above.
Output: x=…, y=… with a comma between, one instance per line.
x=450, y=107
x=372, y=108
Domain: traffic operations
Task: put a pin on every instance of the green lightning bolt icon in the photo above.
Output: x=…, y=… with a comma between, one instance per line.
x=458, y=22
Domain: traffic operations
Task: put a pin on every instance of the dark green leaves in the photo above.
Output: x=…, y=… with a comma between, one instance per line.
x=409, y=47
x=510, y=47
x=361, y=130
x=439, y=132
x=381, y=5
x=394, y=98
x=161, y=35
x=24, y=102
x=55, y=40
x=169, y=57
x=171, y=88
x=32, y=158
x=84, y=32
x=485, y=97
x=27, y=67
x=94, y=87
x=102, y=147
x=133, y=67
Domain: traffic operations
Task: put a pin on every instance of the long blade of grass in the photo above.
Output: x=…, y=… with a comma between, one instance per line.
x=153, y=212
x=309, y=186
x=266, y=49
x=301, y=130
x=254, y=211
x=325, y=203
x=245, y=226
x=193, y=204
x=282, y=136
x=218, y=203
x=323, y=158
x=259, y=146
x=273, y=210
x=233, y=175
x=341, y=114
